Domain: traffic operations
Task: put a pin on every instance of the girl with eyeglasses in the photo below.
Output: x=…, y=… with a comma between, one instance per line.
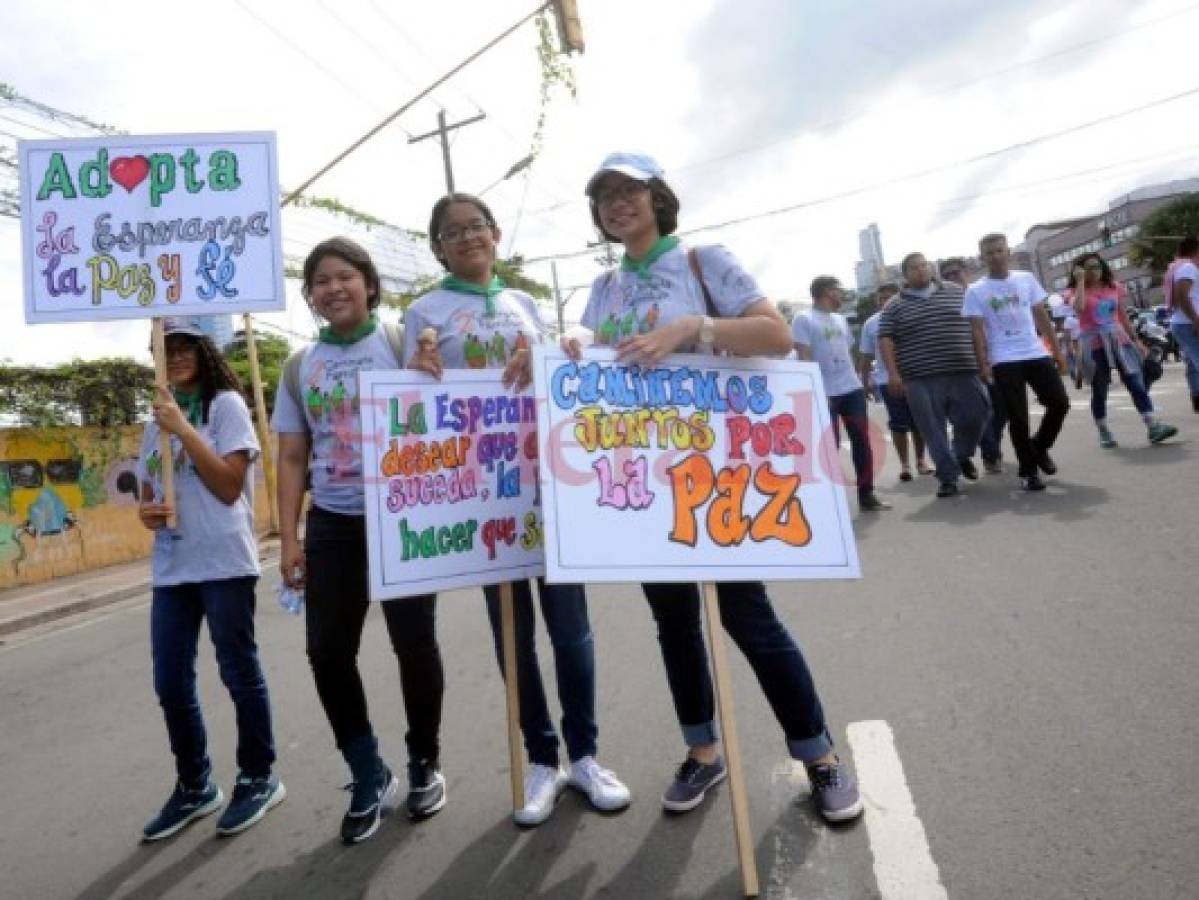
x=1105, y=343
x=473, y=320
x=665, y=298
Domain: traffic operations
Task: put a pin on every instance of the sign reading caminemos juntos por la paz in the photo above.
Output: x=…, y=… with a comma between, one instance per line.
x=140, y=226
x=451, y=481
x=703, y=468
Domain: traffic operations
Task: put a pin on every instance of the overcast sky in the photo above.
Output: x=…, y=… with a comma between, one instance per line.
x=852, y=113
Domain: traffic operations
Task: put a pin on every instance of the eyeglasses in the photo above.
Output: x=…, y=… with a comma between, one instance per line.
x=181, y=350
x=475, y=229
x=627, y=191
x=1093, y=266
x=950, y=273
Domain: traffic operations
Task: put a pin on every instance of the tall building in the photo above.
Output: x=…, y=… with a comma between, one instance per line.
x=1054, y=245
x=871, y=267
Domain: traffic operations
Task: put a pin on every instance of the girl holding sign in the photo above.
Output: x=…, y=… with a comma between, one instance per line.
x=472, y=309
x=665, y=299
x=205, y=568
x=316, y=416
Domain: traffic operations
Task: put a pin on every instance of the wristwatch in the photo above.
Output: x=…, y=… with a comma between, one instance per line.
x=707, y=331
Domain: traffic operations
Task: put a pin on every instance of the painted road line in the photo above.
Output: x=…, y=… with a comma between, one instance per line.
x=903, y=863
x=807, y=858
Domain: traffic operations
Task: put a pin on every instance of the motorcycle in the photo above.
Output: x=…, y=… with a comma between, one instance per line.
x=1156, y=340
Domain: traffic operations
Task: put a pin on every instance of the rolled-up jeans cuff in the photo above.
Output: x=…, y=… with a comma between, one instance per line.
x=808, y=750
x=701, y=735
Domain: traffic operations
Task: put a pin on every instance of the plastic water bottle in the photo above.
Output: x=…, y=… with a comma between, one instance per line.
x=290, y=599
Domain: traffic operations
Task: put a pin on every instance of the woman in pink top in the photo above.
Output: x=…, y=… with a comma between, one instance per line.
x=1105, y=343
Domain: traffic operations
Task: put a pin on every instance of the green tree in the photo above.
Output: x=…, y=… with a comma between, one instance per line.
x=272, y=354
x=1156, y=242
x=102, y=392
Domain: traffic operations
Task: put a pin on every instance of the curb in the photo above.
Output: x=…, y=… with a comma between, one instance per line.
x=87, y=604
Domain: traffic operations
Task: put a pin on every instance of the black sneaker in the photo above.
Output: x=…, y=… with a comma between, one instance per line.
x=691, y=783
x=182, y=808
x=948, y=489
x=871, y=503
x=1032, y=483
x=426, y=789
x=834, y=792
x=969, y=470
x=369, y=802
x=1045, y=462
x=252, y=799
x=993, y=466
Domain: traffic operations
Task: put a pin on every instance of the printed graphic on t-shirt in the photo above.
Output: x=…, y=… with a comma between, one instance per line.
x=1009, y=313
x=485, y=342
x=635, y=320
x=330, y=391
x=1105, y=311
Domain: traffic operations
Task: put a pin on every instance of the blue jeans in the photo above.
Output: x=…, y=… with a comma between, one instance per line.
x=1188, y=339
x=772, y=653
x=175, y=616
x=990, y=445
x=1102, y=380
x=564, y=607
x=851, y=409
x=959, y=399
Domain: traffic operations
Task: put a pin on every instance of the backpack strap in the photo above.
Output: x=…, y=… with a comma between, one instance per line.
x=697, y=271
x=290, y=379
x=395, y=340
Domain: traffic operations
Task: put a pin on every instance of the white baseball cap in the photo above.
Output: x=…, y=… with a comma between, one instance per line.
x=634, y=165
x=181, y=325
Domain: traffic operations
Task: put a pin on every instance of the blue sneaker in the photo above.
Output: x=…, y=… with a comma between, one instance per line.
x=835, y=792
x=370, y=800
x=252, y=798
x=183, y=807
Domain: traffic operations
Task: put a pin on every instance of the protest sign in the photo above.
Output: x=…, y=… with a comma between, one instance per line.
x=703, y=468
x=451, y=481
x=145, y=226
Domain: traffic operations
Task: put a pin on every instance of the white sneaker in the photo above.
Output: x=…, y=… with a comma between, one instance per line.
x=543, y=787
x=599, y=785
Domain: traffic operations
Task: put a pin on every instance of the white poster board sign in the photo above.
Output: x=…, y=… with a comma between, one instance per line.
x=131, y=227
x=450, y=471
x=702, y=469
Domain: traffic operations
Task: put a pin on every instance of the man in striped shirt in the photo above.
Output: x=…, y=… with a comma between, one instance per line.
x=928, y=350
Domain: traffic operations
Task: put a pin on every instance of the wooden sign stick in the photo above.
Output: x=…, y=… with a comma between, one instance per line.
x=167, y=459
x=732, y=750
x=516, y=755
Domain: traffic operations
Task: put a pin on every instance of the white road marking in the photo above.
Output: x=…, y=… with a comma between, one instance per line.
x=903, y=863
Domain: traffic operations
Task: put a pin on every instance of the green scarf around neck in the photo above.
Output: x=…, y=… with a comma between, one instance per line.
x=661, y=246
x=329, y=336
x=192, y=405
x=488, y=292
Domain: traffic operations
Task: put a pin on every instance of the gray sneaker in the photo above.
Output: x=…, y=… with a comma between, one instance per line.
x=834, y=792
x=691, y=783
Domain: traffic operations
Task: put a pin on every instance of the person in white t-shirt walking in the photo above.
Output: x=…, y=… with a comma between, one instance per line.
x=822, y=335
x=1182, y=293
x=1016, y=347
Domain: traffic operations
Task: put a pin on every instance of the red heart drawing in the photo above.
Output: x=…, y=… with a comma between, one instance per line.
x=129, y=171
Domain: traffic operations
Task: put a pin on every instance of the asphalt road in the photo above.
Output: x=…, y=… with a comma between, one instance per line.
x=1034, y=657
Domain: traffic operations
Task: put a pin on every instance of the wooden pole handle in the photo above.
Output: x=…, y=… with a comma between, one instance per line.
x=264, y=431
x=516, y=756
x=732, y=750
x=167, y=459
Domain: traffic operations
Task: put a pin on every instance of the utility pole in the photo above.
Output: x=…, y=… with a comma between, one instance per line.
x=442, y=131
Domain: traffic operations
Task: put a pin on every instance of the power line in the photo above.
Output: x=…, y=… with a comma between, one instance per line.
x=912, y=176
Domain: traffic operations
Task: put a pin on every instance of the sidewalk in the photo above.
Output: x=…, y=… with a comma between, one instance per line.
x=36, y=604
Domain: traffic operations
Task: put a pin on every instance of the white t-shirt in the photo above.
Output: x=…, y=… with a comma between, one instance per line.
x=467, y=337
x=329, y=390
x=623, y=304
x=1005, y=306
x=1185, y=271
x=827, y=337
x=1072, y=327
x=869, y=346
x=212, y=540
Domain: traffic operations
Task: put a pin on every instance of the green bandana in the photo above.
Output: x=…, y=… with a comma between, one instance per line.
x=329, y=336
x=192, y=406
x=641, y=266
x=450, y=283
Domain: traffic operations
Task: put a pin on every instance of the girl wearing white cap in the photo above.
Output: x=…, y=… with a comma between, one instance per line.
x=320, y=435
x=665, y=299
x=205, y=567
x=473, y=320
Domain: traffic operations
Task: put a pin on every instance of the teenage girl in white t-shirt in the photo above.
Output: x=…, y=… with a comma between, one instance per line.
x=470, y=309
x=656, y=289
